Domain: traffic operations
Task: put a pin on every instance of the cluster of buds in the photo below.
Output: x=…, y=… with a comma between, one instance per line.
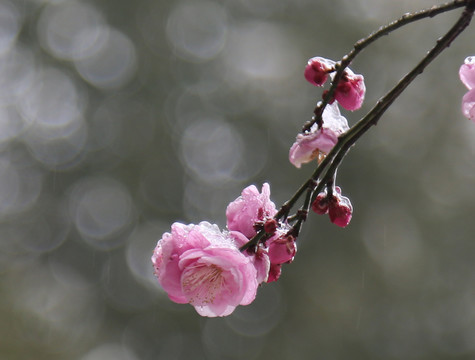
x=320, y=139
x=316, y=142
x=337, y=206
x=350, y=90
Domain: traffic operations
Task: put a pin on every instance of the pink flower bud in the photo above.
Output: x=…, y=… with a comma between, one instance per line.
x=320, y=204
x=282, y=249
x=350, y=91
x=317, y=69
x=467, y=72
x=340, y=210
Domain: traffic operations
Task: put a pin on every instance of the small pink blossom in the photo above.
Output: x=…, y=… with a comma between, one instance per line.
x=202, y=266
x=250, y=208
x=350, y=91
x=310, y=144
x=467, y=72
x=467, y=76
x=317, y=70
x=253, y=212
x=468, y=105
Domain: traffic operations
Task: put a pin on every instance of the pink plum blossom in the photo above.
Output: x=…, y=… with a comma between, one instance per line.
x=252, y=212
x=202, y=266
x=310, y=144
x=317, y=70
x=467, y=72
x=467, y=76
x=350, y=90
x=468, y=105
x=250, y=208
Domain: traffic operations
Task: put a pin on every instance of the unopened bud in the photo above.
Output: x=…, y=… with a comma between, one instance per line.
x=274, y=272
x=282, y=250
x=317, y=69
x=340, y=211
x=320, y=204
x=350, y=91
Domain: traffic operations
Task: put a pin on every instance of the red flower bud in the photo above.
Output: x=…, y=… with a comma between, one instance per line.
x=317, y=69
x=320, y=204
x=340, y=211
x=274, y=272
x=282, y=250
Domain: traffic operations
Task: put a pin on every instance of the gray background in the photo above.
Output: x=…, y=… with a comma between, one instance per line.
x=118, y=118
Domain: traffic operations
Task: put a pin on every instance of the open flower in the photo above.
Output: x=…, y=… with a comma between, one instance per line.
x=319, y=141
x=202, y=266
x=250, y=208
x=467, y=76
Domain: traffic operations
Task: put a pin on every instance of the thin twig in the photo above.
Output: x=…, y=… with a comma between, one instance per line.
x=329, y=165
x=363, y=43
x=351, y=136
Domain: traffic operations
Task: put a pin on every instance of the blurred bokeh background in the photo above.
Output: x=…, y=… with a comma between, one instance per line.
x=120, y=117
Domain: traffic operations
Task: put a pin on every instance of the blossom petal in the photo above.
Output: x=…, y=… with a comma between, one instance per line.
x=309, y=145
x=250, y=207
x=467, y=72
x=468, y=105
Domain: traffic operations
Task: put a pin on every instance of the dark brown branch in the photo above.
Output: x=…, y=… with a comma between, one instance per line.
x=363, y=43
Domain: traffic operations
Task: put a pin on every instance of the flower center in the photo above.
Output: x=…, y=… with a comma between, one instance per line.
x=202, y=283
